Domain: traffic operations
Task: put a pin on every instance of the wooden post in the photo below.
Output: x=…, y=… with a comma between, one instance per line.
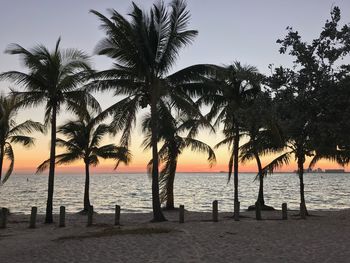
x=302, y=211
x=284, y=211
x=236, y=210
x=257, y=211
x=3, y=217
x=215, y=211
x=90, y=215
x=32, y=223
x=62, y=222
x=117, y=215
x=182, y=214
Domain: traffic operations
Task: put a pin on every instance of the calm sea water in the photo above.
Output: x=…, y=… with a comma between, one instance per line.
x=195, y=190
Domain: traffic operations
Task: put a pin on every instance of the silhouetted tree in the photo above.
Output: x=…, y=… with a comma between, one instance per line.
x=83, y=142
x=301, y=92
x=52, y=79
x=234, y=87
x=261, y=128
x=11, y=132
x=173, y=144
x=145, y=49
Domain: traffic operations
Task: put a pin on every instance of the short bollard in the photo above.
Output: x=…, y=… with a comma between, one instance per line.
x=284, y=211
x=32, y=223
x=215, y=211
x=3, y=217
x=90, y=215
x=182, y=214
x=117, y=215
x=302, y=211
x=236, y=211
x=257, y=211
x=62, y=222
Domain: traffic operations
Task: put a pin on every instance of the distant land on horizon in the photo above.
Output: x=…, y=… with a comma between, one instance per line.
x=325, y=171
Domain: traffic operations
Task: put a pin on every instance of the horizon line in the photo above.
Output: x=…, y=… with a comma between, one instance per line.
x=185, y=172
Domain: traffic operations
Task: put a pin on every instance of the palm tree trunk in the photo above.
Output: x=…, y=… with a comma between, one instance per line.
x=170, y=184
x=301, y=160
x=87, y=187
x=261, y=184
x=235, y=167
x=170, y=193
x=157, y=211
x=2, y=148
x=49, y=218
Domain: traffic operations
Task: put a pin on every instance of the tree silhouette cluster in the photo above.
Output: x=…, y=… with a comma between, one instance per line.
x=296, y=112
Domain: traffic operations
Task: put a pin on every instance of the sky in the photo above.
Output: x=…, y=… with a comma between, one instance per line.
x=229, y=30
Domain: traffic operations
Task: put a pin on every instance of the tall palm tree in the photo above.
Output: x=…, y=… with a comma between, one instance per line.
x=11, y=132
x=53, y=78
x=145, y=49
x=236, y=87
x=84, y=142
x=170, y=131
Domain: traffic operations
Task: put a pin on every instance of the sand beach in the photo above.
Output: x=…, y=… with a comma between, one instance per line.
x=323, y=237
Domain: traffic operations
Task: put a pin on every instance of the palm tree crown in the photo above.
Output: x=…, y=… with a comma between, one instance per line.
x=83, y=142
x=11, y=132
x=53, y=77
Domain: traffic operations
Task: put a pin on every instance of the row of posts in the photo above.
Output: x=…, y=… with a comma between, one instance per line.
x=62, y=216
x=215, y=214
x=236, y=215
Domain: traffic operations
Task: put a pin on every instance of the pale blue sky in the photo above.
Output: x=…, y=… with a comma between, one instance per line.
x=228, y=29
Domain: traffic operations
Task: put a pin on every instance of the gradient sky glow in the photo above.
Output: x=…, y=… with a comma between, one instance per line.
x=228, y=30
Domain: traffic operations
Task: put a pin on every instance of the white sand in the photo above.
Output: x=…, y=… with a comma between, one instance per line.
x=321, y=238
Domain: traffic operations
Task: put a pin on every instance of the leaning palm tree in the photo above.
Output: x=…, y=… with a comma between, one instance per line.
x=11, y=132
x=53, y=78
x=170, y=131
x=145, y=49
x=236, y=87
x=83, y=142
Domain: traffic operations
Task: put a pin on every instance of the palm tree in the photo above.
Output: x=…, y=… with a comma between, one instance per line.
x=236, y=87
x=294, y=117
x=84, y=142
x=52, y=78
x=11, y=132
x=145, y=49
x=170, y=130
x=261, y=128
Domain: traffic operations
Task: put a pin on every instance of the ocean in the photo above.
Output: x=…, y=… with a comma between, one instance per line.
x=323, y=191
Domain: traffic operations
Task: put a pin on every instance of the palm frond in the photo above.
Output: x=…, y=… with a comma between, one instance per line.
x=28, y=126
x=64, y=158
x=199, y=146
x=278, y=162
x=21, y=139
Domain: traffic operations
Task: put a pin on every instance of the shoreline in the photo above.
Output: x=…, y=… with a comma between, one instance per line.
x=319, y=238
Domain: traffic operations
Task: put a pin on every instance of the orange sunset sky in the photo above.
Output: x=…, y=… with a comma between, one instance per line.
x=26, y=160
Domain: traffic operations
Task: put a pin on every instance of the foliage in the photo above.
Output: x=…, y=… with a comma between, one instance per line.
x=173, y=144
x=13, y=133
x=83, y=141
x=144, y=49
